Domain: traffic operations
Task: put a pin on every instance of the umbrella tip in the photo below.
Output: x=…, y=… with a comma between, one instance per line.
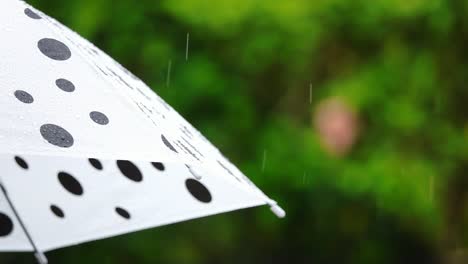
x=277, y=210
x=41, y=258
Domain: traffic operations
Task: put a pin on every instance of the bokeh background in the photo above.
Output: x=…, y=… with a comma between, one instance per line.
x=352, y=114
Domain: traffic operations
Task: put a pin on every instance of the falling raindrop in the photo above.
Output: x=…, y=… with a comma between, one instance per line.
x=187, y=47
x=310, y=93
x=168, y=78
x=431, y=187
x=264, y=160
x=194, y=172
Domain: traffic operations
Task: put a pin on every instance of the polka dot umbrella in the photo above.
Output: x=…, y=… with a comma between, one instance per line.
x=88, y=151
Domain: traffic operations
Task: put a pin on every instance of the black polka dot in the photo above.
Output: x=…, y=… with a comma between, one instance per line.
x=56, y=135
x=158, y=165
x=167, y=143
x=122, y=212
x=198, y=190
x=65, y=85
x=129, y=170
x=57, y=211
x=31, y=14
x=24, y=97
x=54, y=49
x=6, y=225
x=96, y=164
x=99, y=118
x=21, y=162
x=70, y=183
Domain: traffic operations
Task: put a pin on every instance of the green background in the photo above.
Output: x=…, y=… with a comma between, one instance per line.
x=397, y=195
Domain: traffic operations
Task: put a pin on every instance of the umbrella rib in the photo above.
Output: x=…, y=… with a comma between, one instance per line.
x=41, y=258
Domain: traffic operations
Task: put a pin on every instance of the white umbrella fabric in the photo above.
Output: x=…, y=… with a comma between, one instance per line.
x=88, y=151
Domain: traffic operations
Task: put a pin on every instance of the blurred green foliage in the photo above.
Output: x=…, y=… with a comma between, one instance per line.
x=398, y=196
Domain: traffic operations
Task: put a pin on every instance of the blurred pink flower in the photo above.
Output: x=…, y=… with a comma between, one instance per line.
x=337, y=125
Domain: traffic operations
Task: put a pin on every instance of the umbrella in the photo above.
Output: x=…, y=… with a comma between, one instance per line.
x=88, y=151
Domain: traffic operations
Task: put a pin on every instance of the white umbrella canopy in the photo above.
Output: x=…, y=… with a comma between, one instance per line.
x=89, y=151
